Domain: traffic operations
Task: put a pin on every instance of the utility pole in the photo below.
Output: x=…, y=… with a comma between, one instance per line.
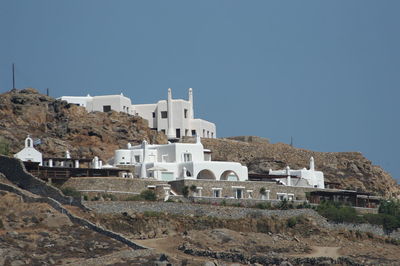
x=291, y=141
x=13, y=75
x=47, y=91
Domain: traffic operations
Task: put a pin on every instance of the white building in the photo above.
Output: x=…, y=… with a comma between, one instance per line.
x=175, y=161
x=29, y=153
x=174, y=117
x=103, y=103
x=300, y=178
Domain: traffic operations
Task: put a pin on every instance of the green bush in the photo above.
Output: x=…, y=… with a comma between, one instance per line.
x=109, y=196
x=72, y=192
x=4, y=146
x=264, y=206
x=152, y=214
x=284, y=205
x=148, y=195
x=334, y=212
x=133, y=198
x=304, y=205
x=193, y=188
x=185, y=191
x=391, y=207
x=291, y=222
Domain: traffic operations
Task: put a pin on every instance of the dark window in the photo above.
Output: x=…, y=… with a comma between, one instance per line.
x=163, y=131
x=178, y=132
x=106, y=108
x=154, y=114
x=193, y=132
x=185, y=111
x=164, y=114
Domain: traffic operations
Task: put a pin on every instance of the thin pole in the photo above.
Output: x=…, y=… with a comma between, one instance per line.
x=13, y=74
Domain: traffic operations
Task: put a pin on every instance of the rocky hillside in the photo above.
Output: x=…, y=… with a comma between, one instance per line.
x=62, y=126
x=349, y=169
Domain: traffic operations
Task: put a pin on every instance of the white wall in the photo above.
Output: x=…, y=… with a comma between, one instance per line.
x=118, y=103
x=29, y=153
x=81, y=101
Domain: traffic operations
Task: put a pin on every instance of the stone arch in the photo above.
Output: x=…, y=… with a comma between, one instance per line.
x=206, y=174
x=229, y=175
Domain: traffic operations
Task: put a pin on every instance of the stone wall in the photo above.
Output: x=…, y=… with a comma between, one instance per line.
x=75, y=219
x=14, y=170
x=117, y=186
x=248, y=187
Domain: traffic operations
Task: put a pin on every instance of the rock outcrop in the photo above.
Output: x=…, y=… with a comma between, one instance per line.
x=62, y=126
x=350, y=169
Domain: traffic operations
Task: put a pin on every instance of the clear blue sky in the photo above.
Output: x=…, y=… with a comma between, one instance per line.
x=325, y=72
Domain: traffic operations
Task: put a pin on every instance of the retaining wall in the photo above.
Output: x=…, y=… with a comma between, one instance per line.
x=14, y=170
x=75, y=219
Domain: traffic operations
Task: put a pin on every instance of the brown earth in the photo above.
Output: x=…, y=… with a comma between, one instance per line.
x=36, y=234
x=261, y=236
x=62, y=126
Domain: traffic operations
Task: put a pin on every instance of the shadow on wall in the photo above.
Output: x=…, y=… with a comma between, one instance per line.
x=14, y=170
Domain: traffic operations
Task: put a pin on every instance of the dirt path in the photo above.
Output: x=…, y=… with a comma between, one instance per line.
x=331, y=252
x=169, y=246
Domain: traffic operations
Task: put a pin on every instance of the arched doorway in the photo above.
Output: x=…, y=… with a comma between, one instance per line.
x=206, y=174
x=229, y=175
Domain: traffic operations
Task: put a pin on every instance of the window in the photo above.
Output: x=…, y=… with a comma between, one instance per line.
x=193, y=132
x=265, y=196
x=163, y=131
x=187, y=157
x=204, y=133
x=250, y=194
x=239, y=193
x=185, y=112
x=186, y=132
x=208, y=134
x=290, y=197
x=164, y=114
x=137, y=158
x=154, y=114
x=178, y=132
x=281, y=196
x=212, y=134
x=106, y=108
x=216, y=192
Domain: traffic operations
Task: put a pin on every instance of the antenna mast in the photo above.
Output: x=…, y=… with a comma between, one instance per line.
x=13, y=75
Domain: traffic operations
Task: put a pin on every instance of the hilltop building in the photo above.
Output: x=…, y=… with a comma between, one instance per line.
x=29, y=153
x=176, y=161
x=174, y=117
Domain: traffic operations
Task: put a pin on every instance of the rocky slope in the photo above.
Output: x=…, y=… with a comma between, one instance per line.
x=62, y=126
x=349, y=169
